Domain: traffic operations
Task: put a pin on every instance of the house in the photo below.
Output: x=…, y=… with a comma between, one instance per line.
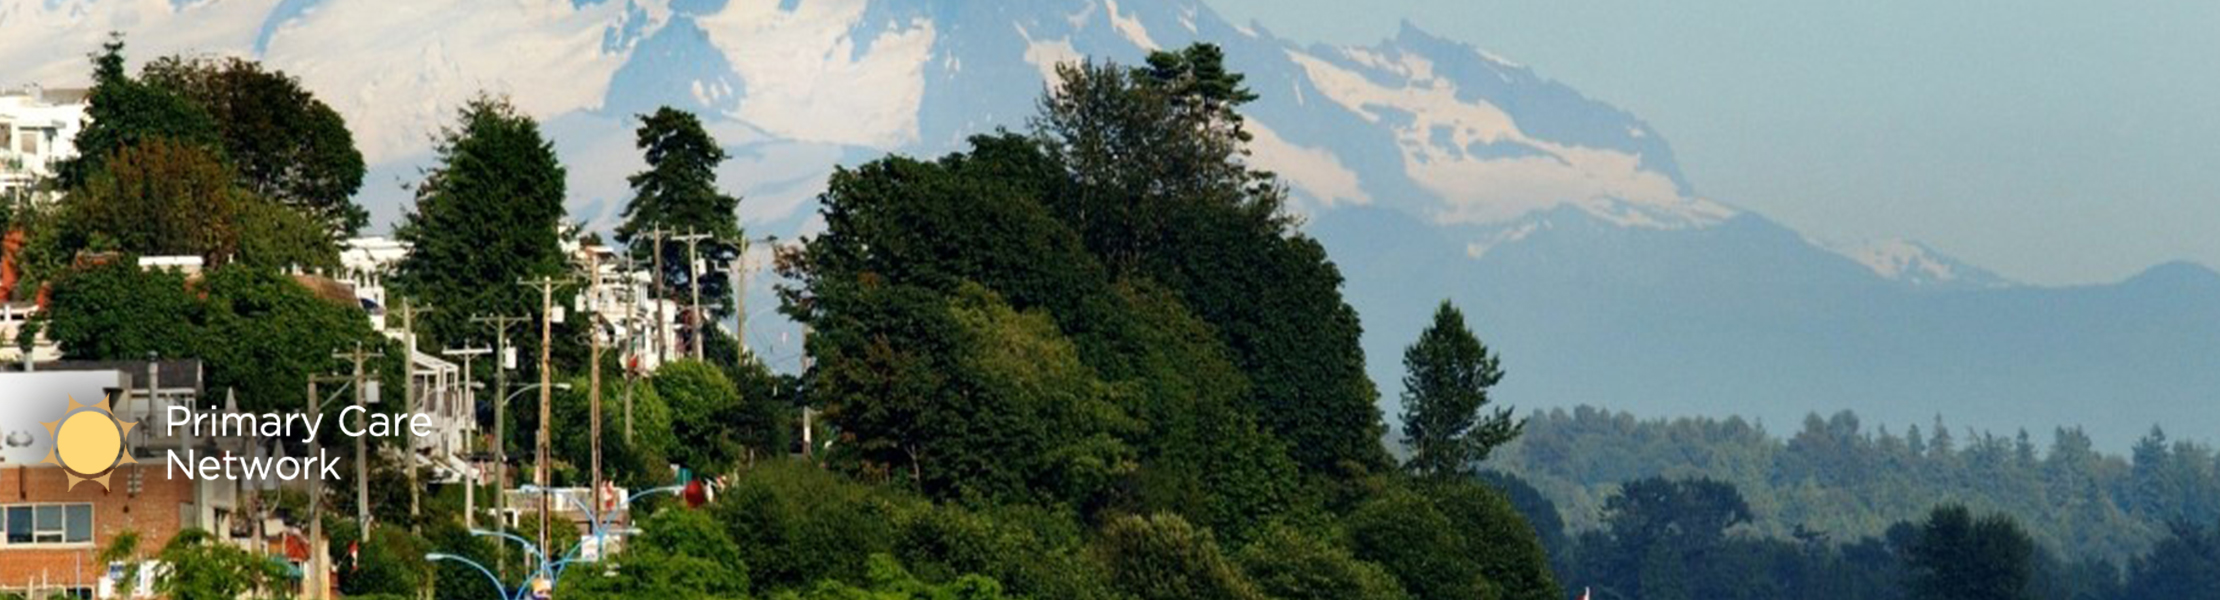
x=38, y=128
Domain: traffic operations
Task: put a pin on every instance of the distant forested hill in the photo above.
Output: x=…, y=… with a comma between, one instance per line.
x=1836, y=478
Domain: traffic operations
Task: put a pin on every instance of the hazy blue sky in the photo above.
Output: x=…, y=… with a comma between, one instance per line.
x=2054, y=142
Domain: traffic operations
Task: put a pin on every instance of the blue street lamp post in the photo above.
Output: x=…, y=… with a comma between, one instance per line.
x=551, y=571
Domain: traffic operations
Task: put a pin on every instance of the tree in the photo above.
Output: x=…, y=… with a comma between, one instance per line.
x=702, y=404
x=889, y=581
x=680, y=554
x=1163, y=558
x=204, y=568
x=285, y=144
x=637, y=461
x=261, y=334
x=1663, y=537
x=1289, y=565
x=265, y=334
x=1444, y=389
x=1497, y=538
x=486, y=218
x=2186, y=564
x=1404, y=532
x=115, y=311
x=678, y=194
x=274, y=237
x=124, y=112
x=1157, y=186
x=1957, y=557
x=158, y=197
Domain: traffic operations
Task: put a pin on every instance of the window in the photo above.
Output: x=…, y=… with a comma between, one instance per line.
x=30, y=524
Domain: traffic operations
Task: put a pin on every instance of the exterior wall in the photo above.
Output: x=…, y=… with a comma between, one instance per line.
x=37, y=128
x=157, y=513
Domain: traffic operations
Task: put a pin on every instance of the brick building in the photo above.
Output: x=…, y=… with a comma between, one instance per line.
x=51, y=532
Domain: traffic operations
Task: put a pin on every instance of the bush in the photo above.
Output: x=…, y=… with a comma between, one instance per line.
x=1289, y=565
x=1403, y=532
x=1163, y=558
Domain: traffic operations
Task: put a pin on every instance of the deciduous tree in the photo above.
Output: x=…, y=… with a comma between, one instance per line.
x=1445, y=388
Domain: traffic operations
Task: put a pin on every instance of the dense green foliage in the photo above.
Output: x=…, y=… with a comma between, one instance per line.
x=705, y=412
x=1289, y=564
x=1095, y=362
x=202, y=567
x=155, y=175
x=2185, y=564
x=678, y=195
x=124, y=112
x=1151, y=179
x=286, y=145
x=1959, y=556
x=1445, y=386
x=1837, y=479
x=486, y=220
x=259, y=333
x=1691, y=538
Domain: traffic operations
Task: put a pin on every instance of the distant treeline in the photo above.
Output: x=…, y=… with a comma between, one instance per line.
x=1835, y=480
x=1672, y=539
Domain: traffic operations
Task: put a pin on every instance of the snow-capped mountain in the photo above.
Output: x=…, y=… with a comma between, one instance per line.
x=1914, y=263
x=1429, y=167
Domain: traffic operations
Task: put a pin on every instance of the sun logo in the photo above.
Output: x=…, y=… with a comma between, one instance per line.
x=88, y=443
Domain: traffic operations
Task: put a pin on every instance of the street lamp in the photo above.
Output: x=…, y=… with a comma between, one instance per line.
x=600, y=526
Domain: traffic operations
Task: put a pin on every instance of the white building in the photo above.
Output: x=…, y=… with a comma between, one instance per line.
x=624, y=309
x=38, y=127
x=365, y=263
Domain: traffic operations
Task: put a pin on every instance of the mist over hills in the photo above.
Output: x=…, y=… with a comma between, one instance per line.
x=1430, y=169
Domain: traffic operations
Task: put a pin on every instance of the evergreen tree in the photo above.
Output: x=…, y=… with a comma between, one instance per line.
x=1445, y=387
x=1957, y=557
x=486, y=218
x=1156, y=183
x=124, y=112
x=2186, y=564
x=678, y=194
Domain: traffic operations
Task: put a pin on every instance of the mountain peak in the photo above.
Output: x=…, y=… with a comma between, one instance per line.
x=1916, y=264
x=2179, y=273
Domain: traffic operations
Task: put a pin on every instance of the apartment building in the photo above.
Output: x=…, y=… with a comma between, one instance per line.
x=38, y=127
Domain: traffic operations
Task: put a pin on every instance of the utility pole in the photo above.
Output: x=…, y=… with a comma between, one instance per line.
x=501, y=368
x=631, y=314
x=662, y=321
x=408, y=389
x=809, y=427
x=547, y=396
x=593, y=342
x=362, y=443
x=319, y=559
x=740, y=304
x=693, y=284
x=470, y=399
x=740, y=272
